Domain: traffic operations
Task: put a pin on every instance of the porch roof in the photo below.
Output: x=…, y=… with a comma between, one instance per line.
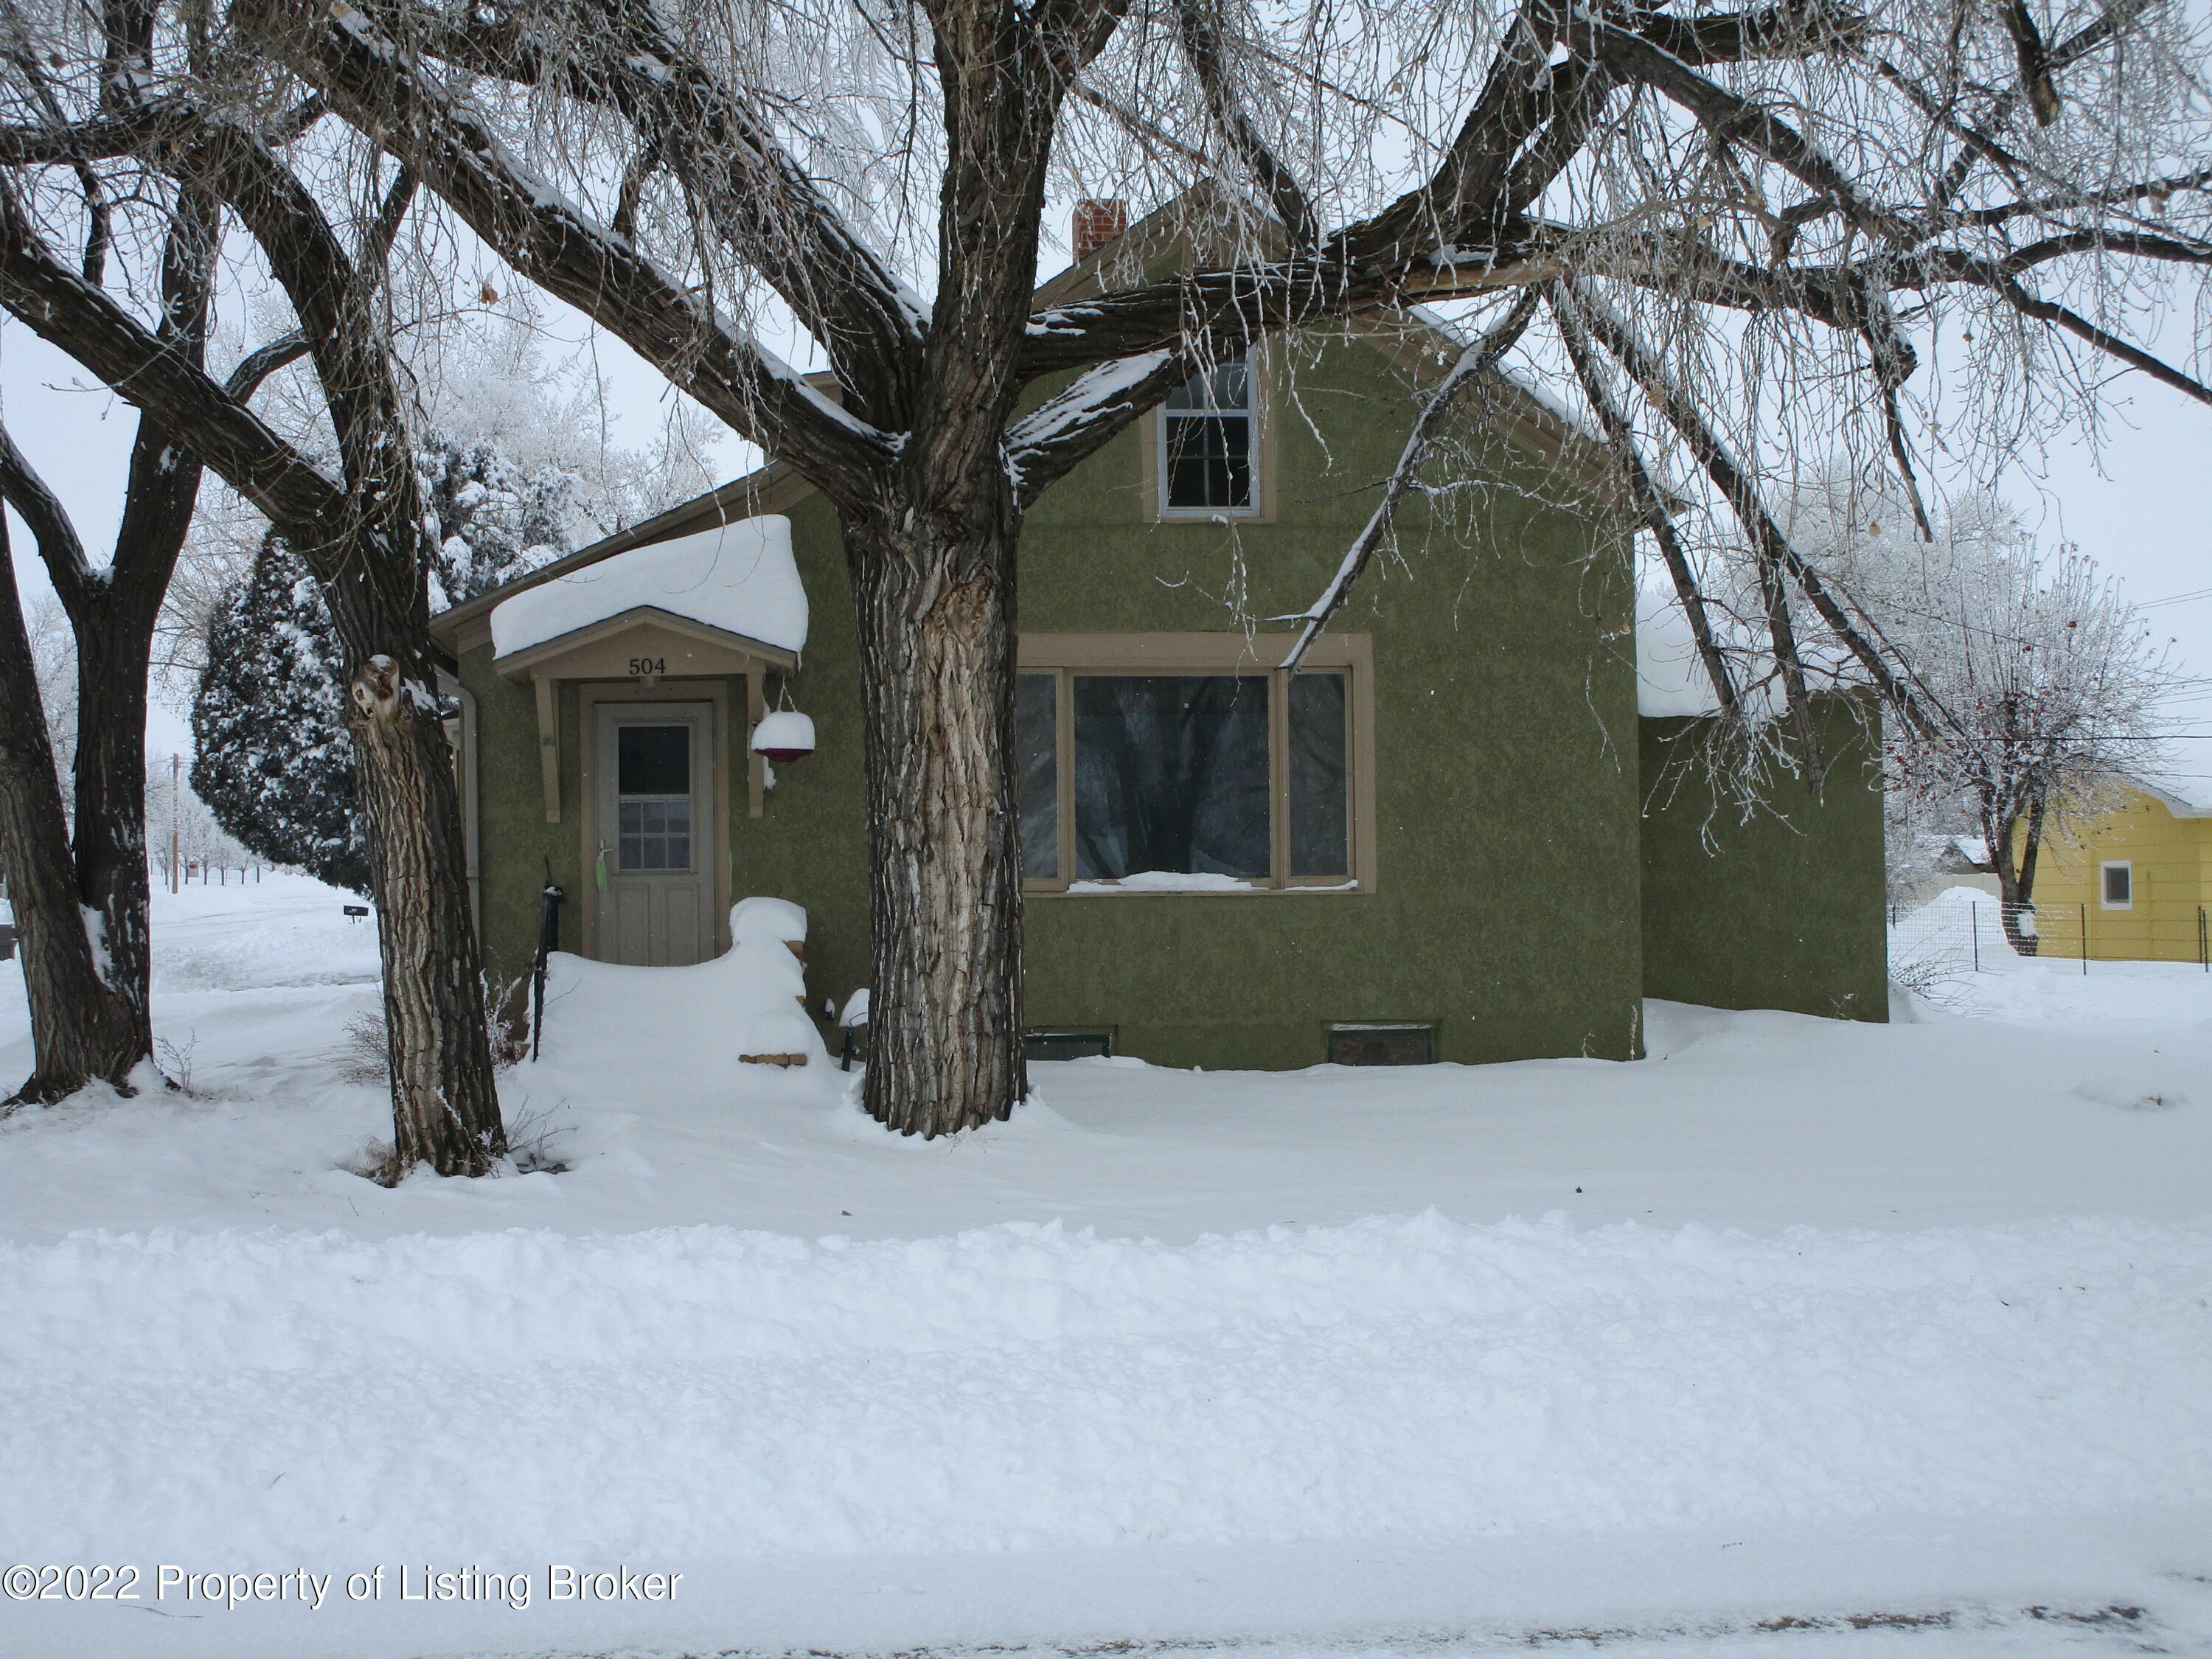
x=737, y=579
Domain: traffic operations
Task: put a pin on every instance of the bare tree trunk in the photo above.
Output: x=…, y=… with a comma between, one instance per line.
x=108, y=838
x=444, y=1104
x=80, y=1029
x=2015, y=872
x=945, y=1023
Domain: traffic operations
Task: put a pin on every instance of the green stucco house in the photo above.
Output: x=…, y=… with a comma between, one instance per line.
x=1451, y=836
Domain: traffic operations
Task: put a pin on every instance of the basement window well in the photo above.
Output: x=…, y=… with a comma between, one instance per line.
x=1381, y=1045
x=1069, y=1045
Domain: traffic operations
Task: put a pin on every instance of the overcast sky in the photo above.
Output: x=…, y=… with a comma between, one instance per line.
x=2145, y=516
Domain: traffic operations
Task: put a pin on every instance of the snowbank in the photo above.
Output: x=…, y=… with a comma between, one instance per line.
x=738, y=577
x=712, y=1394
x=656, y=1033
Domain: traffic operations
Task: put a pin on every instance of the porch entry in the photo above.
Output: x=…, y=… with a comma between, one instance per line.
x=653, y=879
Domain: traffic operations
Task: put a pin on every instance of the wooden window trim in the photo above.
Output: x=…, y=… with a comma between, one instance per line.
x=1262, y=511
x=1068, y=655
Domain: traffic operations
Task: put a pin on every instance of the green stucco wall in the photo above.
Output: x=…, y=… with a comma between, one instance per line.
x=1508, y=908
x=1784, y=911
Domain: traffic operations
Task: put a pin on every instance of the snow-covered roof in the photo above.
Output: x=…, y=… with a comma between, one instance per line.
x=740, y=577
x=2184, y=792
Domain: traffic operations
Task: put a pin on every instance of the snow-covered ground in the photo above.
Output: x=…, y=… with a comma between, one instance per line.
x=1796, y=1337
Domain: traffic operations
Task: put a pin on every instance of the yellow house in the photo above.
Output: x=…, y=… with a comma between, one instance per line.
x=2136, y=879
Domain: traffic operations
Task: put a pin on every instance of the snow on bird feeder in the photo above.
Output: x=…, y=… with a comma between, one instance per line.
x=784, y=736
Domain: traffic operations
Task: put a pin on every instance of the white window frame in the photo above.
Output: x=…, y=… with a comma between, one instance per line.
x=2104, y=888
x=1256, y=506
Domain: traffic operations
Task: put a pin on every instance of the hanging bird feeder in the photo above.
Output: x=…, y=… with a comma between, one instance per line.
x=785, y=736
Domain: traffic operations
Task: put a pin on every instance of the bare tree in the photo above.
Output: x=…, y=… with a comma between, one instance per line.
x=2039, y=684
x=1746, y=216
x=87, y=91
x=78, y=855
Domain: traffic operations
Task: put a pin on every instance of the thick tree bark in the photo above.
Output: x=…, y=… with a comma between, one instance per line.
x=946, y=1022
x=114, y=623
x=80, y=1029
x=445, y=1105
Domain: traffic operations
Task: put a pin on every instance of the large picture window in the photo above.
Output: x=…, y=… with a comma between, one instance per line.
x=1146, y=766
x=1208, y=452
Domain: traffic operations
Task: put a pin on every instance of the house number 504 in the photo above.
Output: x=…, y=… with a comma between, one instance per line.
x=648, y=665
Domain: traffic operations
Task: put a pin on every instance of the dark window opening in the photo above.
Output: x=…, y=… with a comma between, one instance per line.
x=1321, y=808
x=653, y=760
x=2120, y=884
x=1171, y=774
x=1383, y=1045
x=653, y=791
x=1205, y=427
x=1068, y=1045
x=1036, y=741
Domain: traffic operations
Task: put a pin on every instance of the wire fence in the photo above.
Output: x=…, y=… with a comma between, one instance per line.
x=1962, y=931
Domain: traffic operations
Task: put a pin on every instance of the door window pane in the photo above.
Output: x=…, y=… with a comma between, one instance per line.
x=1036, y=748
x=654, y=763
x=1320, y=804
x=1172, y=775
x=653, y=760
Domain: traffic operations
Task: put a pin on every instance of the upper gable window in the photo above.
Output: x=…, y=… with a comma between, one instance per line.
x=1208, y=452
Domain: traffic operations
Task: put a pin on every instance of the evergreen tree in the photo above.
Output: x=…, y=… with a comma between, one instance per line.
x=274, y=763
x=272, y=759
x=488, y=520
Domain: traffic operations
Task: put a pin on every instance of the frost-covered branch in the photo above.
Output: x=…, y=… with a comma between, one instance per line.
x=1476, y=362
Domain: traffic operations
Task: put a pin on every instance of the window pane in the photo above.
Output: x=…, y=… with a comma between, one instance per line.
x=633, y=817
x=1209, y=460
x=632, y=856
x=1171, y=774
x=653, y=760
x=1037, y=749
x=1229, y=386
x=679, y=851
x=1320, y=781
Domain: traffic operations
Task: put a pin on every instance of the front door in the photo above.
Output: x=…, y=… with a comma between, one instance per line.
x=654, y=878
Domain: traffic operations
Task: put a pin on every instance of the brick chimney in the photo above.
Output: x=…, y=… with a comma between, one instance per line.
x=1096, y=224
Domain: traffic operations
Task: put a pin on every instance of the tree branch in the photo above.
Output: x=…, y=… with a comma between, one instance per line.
x=1082, y=419
x=370, y=83
x=1198, y=28
x=2034, y=61
x=60, y=307
x=1476, y=364
x=1769, y=546
x=60, y=549
x=622, y=57
x=1650, y=506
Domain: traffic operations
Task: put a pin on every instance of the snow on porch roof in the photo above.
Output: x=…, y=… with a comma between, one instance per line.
x=738, y=577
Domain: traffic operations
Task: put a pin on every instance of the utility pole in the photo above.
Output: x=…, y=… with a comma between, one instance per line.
x=176, y=836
